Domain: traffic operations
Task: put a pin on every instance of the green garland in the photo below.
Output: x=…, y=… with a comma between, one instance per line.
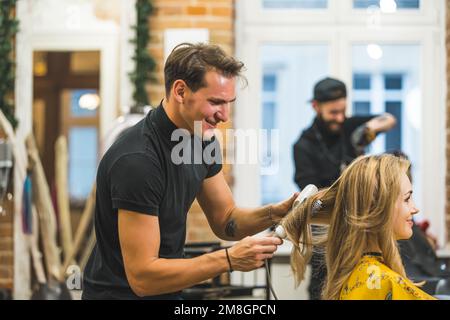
x=9, y=26
x=144, y=63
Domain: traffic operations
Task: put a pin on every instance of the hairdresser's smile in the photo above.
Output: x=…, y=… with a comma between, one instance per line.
x=211, y=123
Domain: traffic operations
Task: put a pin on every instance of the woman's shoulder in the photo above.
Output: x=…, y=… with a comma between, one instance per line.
x=373, y=280
x=369, y=280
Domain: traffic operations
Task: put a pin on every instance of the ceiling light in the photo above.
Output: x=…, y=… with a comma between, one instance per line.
x=89, y=101
x=388, y=6
x=374, y=51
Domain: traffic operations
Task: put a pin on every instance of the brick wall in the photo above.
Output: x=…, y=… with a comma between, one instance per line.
x=6, y=245
x=448, y=118
x=218, y=17
x=6, y=236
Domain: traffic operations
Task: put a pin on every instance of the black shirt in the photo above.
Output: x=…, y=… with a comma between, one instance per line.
x=319, y=155
x=137, y=174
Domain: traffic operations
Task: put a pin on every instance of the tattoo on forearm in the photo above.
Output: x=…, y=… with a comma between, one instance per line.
x=383, y=118
x=230, y=229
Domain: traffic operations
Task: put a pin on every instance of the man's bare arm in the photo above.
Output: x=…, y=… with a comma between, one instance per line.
x=150, y=275
x=230, y=222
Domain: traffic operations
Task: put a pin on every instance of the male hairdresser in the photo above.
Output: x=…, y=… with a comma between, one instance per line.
x=144, y=192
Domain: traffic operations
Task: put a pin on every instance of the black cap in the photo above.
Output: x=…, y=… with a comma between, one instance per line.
x=329, y=89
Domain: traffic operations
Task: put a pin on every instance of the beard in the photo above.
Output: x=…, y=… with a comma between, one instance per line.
x=332, y=127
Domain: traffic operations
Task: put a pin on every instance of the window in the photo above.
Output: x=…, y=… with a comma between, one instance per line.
x=362, y=82
x=80, y=125
x=269, y=120
x=83, y=148
x=269, y=115
x=269, y=83
x=76, y=109
x=394, y=137
x=361, y=108
x=395, y=79
x=393, y=82
x=297, y=4
x=400, y=4
x=289, y=74
x=390, y=62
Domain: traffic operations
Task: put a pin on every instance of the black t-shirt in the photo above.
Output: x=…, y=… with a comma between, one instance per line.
x=319, y=156
x=137, y=174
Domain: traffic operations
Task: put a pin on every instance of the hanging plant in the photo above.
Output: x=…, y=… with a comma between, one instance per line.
x=9, y=27
x=144, y=63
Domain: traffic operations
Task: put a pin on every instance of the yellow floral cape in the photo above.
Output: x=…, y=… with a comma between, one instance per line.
x=373, y=280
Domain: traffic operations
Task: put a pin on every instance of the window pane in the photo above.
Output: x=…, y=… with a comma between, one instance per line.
x=83, y=148
x=295, y=69
x=401, y=4
x=295, y=4
x=395, y=89
x=361, y=81
x=269, y=82
x=269, y=115
x=361, y=108
x=394, y=137
x=393, y=82
x=76, y=109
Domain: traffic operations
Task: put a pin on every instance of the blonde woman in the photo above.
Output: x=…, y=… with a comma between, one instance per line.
x=364, y=213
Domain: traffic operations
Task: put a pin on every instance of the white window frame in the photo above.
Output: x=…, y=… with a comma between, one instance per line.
x=427, y=14
x=338, y=11
x=340, y=27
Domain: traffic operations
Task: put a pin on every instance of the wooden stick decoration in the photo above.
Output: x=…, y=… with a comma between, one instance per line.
x=19, y=151
x=80, y=235
x=34, y=247
x=61, y=164
x=85, y=254
x=20, y=174
x=45, y=211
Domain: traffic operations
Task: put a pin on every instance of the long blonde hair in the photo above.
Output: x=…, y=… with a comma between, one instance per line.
x=358, y=210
